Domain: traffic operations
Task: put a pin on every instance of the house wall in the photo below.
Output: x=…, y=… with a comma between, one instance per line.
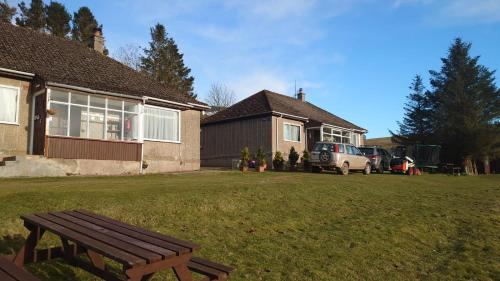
x=222, y=142
x=14, y=139
x=278, y=140
x=173, y=157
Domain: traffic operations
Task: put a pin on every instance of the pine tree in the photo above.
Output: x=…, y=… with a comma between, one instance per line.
x=58, y=19
x=84, y=24
x=417, y=122
x=6, y=12
x=467, y=107
x=163, y=61
x=33, y=17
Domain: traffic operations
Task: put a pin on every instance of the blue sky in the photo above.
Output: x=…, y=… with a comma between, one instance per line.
x=355, y=58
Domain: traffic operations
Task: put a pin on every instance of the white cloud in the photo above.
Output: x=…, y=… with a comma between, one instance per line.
x=482, y=11
x=252, y=83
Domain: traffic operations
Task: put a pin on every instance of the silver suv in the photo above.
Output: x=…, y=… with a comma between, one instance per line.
x=338, y=157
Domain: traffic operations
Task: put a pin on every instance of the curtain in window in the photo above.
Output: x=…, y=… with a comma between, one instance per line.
x=161, y=124
x=8, y=105
x=291, y=132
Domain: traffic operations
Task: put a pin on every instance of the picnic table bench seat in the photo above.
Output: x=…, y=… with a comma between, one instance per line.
x=213, y=271
x=10, y=272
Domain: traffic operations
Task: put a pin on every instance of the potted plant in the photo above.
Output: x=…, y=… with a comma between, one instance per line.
x=293, y=157
x=261, y=161
x=305, y=160
x=278, y=161
x=245, y=157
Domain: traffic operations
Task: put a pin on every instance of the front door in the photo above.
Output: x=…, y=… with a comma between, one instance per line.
x=39, y=124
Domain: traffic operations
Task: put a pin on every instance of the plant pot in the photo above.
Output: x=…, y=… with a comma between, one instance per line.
x=307, y=166
x=260, y=169
x=244, y=169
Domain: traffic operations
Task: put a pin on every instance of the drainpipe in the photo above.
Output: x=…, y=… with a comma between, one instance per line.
x=141, y=133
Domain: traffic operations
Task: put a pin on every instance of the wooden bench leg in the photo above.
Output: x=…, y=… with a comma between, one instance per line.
x=182, y=272
x=27, y=252
x=96, y=260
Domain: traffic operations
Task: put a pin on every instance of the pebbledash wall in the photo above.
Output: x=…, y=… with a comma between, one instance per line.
x=14, y=138
x=175, y=157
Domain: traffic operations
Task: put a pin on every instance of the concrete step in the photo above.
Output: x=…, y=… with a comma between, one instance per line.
x=8, y=158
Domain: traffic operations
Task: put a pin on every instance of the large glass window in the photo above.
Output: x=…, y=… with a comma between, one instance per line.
x=87, y=116
x=9, y=104
x=291, y=132
x=161, y=124
x=336, y=135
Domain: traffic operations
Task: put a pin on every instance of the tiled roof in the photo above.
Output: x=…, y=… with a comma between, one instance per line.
x=63, y=61
x=267, y=102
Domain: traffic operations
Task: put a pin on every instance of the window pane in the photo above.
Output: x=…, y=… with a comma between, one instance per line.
x=96, y=123
x=78, y=121
x=131, y=107
x=346, y=133
x=130, y=127
x=59, y=96
x=114, y=104
x=97, y=102
x=296, y=133
x=160, y=124
x=58, y=123
x=79, y=99
x=336, y=139
x=336, y=132
x=8, y=105
x=327, y=138
x=114, y=125
x=346, y=140
x=286, y=131
x=327, y=130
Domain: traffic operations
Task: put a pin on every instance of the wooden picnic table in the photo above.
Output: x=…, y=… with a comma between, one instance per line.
x=141, y=253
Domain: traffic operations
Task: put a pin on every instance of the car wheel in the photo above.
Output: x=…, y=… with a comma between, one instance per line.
x=345, y=169
x=368, y=169
x=380, y=169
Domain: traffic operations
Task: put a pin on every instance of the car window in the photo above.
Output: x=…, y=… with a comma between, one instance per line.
x=323, y=146
x=341, y=148
x=367, y=150
x=349, y=149
x=356, y=151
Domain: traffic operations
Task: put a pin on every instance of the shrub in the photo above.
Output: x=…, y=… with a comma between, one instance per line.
x=305, y=156
x=293, y=157
x=278, y=161
x=261, y=157
x=245, y=156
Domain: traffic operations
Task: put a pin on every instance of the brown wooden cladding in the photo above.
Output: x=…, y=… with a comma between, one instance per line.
x=76, y=148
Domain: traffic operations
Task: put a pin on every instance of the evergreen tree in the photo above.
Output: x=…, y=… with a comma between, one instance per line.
x=58, y=19
x=6, y=12
x=84, y=24
x=33, y=17
x=466, y=103
x=163, y=61
x=417, y=122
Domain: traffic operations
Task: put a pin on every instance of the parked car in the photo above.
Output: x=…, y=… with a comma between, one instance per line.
x=380, y=158
x=338, y=157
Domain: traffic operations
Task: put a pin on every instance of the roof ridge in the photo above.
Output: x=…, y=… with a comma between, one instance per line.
x=265, y=92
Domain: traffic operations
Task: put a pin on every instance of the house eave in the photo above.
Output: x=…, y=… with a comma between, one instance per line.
x=16, y=73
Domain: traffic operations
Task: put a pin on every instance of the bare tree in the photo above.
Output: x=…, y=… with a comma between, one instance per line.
x=220, y=97
x=129, y=55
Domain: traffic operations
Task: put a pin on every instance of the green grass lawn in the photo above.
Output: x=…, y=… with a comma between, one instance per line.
x=288, y=226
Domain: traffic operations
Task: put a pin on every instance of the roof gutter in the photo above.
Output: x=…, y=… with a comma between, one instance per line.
x=363, y=130
x=17, y=73
x=290, y=115
x=189, y=105
x=92, y=91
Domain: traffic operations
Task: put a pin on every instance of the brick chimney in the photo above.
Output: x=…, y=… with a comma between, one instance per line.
x=301, y=95
x=96, y=41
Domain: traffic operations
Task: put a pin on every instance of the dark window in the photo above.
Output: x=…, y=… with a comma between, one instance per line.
x=367, y=150
x=323, y=146
x=349, y=149
x=341, y=148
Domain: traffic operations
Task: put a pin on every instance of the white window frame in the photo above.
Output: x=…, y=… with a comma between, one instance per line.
x=162, y=108
x=88, y=107
x=18, y=89
x=341, y=130
x=300, y=132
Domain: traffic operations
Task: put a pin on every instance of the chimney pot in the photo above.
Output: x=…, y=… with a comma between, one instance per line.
x=301, y=95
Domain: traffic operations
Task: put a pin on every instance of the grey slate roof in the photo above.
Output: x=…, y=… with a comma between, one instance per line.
x=68, y=62
x=267, y=102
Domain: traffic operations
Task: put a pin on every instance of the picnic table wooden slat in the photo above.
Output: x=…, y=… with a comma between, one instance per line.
x=9, y=271
x=165, y=253
x=160, y=243
x=126, y=247
x=87, y=242
x=173, y=240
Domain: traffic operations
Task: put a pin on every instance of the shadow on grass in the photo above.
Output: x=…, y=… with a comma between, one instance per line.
x=55, y=270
